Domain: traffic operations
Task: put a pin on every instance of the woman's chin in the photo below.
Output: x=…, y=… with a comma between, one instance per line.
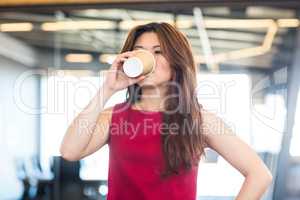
x=142, y=81
x=145, y=82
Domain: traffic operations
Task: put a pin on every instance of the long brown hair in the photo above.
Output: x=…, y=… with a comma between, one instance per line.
x=186, y=145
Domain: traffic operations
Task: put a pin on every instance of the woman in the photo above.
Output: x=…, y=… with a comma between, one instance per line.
x=159, y=162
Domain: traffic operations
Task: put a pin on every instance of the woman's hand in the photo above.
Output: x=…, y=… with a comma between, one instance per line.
x=116, y=79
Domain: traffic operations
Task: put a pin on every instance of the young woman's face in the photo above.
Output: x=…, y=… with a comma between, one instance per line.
x=162, y=73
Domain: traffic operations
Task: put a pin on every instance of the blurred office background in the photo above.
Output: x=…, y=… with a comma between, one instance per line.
x=53, y=53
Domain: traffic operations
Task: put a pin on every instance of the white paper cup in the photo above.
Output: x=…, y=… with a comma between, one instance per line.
x=142, y=63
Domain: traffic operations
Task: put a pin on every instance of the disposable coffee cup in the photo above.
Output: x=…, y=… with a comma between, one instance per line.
x=142, y=63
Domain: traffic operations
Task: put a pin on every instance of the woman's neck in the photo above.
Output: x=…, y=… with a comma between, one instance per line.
x=152, y=99
x=148, y=106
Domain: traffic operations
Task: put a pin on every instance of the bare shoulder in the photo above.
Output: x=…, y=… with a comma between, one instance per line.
x=105, y=115
x=102, y=125
x=214, y=127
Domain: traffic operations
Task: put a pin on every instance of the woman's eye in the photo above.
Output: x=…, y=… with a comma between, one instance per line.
x=157, y=52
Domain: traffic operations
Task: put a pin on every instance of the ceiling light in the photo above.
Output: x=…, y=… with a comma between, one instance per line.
x=78, y=58
x=288, y=23
x=107, y=58
x=16, y=27
x=77, y=25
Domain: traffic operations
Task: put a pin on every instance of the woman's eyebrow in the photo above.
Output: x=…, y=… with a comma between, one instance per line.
x=141, y=47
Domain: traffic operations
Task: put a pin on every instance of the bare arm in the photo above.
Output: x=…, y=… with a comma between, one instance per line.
x=88, y=132
x=223, y=140
x=82, y=129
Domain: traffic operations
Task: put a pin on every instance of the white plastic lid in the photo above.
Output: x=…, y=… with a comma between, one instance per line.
x=133, y=67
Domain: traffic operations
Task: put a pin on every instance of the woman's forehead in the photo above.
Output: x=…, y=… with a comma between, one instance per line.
x=148, y=37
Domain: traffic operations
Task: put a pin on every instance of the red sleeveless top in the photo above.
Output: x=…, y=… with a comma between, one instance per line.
x=136, y=159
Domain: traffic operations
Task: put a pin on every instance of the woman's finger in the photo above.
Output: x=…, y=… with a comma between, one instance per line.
x=120, y=59
x=127, y=53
